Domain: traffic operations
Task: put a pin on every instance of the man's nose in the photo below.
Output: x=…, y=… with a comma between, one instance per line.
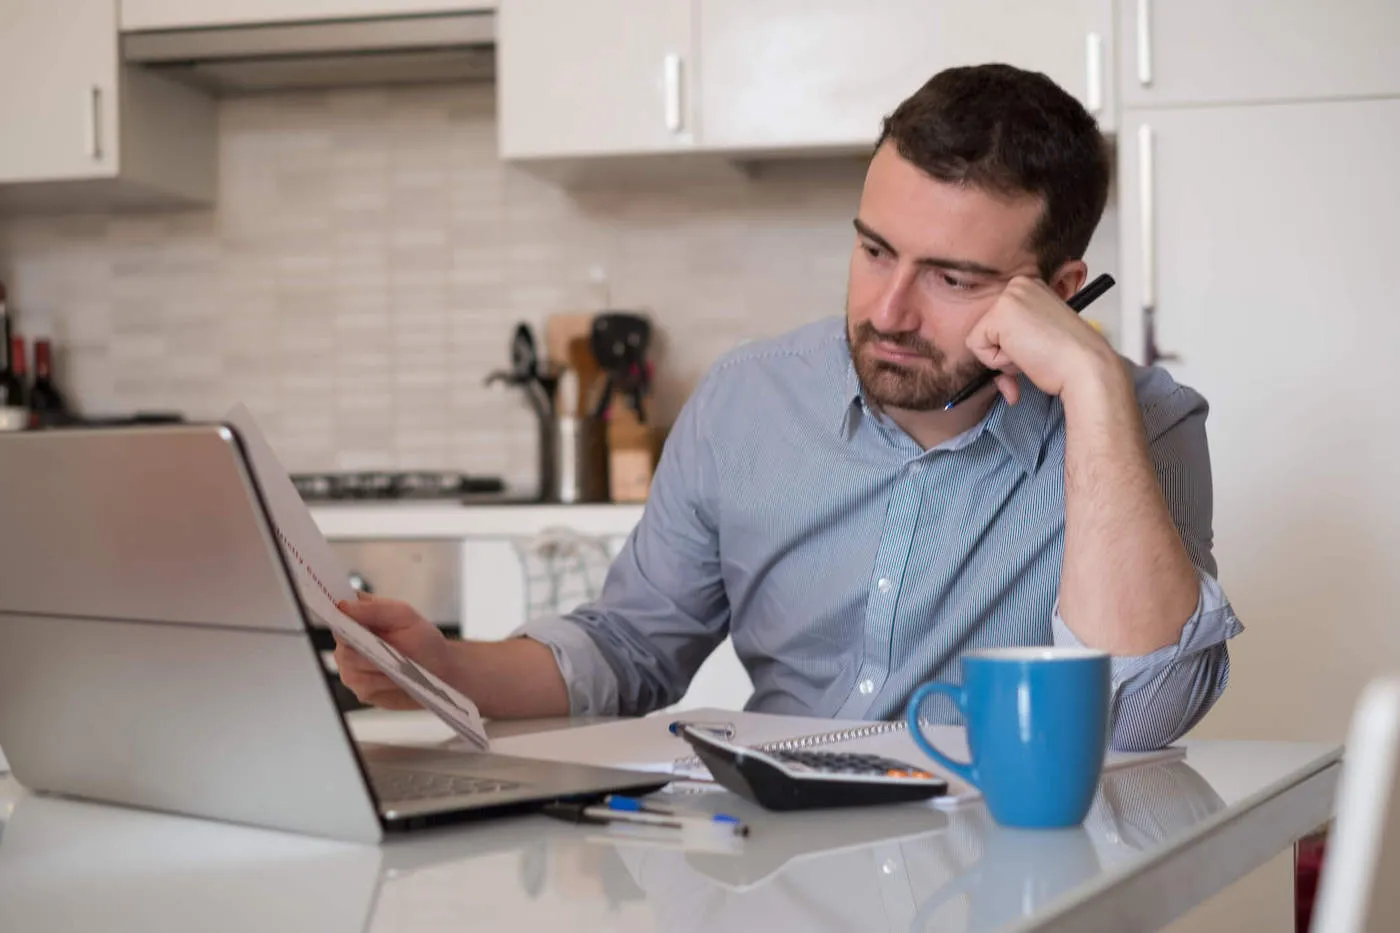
x=894, y=311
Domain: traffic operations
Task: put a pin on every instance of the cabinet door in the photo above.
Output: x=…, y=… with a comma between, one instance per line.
x=184, y=14
x=1208, y=51
x=493, y=606
x=602, y=77
x=825, y=72
x=1272, y=249
x=58, y=89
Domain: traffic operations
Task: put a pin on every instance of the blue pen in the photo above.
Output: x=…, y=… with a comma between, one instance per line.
x=633, y=805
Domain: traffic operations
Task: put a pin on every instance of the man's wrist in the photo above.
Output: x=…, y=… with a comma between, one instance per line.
x=1100, y=384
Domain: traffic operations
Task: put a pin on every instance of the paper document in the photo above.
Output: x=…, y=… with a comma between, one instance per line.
x=647, y=744
x=322, y=583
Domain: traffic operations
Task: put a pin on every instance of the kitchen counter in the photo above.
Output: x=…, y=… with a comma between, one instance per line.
x=408, y=519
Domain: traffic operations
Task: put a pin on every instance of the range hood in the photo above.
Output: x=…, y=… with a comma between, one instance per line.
x=331, y=53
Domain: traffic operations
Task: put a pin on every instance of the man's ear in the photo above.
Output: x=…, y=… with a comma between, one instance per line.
x=1069, y=278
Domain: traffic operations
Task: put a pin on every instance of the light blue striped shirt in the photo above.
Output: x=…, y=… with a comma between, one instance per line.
x=850, y=566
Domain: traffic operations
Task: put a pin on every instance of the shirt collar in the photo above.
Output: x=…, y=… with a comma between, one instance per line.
x=851, y=399
x=1020, y=428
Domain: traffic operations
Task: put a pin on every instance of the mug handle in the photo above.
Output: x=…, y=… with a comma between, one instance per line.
x=964, y=769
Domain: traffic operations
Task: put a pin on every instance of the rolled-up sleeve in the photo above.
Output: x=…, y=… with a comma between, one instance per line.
x=663, y=608
x=1158, y=697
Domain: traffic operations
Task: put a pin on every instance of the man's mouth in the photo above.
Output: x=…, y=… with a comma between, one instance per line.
x=894, y=353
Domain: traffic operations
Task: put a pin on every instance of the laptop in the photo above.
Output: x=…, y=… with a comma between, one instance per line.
x=154, y=653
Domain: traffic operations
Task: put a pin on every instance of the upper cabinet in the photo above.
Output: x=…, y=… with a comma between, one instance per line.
x=82, y=130
x=187, y=14
x=599, y=77
x=634, y=76
x=1205, y=51
x=824, y=73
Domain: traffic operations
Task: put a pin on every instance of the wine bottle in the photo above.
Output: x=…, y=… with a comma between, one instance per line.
x=46, y=404
x=14, y=415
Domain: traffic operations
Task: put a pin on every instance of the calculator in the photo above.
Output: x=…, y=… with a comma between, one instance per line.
x=806, y=779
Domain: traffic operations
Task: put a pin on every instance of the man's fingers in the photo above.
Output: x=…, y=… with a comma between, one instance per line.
x=379, y=615
x=1009, y=387
x=392, y=698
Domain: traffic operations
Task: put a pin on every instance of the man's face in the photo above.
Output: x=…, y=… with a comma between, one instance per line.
x=930, y=258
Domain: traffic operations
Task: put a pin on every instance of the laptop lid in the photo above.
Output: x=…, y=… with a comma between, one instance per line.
x=152, y=650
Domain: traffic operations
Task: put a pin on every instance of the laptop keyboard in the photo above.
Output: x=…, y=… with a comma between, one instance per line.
x=397, y=785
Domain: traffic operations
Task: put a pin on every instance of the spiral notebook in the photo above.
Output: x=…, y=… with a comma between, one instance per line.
x=647, y=744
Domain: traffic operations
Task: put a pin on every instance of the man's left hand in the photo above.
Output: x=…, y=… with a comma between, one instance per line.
x=1031, y=330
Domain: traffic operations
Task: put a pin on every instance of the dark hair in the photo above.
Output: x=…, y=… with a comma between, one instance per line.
x=1011, y=132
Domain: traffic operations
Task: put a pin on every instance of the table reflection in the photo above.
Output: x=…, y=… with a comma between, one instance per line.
x=71, y=866
x=969, y=874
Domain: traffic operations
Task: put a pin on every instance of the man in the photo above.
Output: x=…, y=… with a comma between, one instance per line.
x=816, y=503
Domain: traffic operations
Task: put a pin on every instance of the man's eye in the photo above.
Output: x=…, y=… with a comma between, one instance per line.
x=956, y=283
x=874, y=252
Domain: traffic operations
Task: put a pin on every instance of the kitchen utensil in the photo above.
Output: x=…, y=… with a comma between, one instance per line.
x=582, y=362
x=525, y=373
x=619, y=342
x=560, y=330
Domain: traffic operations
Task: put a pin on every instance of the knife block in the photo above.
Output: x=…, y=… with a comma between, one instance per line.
x=633, y=448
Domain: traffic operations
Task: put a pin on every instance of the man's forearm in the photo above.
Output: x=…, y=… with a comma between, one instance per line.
x=513, y=679
x=1128, y=585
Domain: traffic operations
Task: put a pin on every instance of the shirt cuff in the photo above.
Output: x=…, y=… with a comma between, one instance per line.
x=1212, y=623
x=590, y=680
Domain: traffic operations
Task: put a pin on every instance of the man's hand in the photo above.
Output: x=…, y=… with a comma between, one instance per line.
x=403, y=628
x=1031, y=330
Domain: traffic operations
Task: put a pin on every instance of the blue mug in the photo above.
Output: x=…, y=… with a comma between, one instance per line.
x=1037, y=729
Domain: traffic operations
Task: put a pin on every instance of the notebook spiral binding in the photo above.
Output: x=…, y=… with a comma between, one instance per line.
x=807, y=741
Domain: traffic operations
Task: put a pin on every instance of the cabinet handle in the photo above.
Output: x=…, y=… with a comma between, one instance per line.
x=1144, y=42
x=94, y=123
x=1093, y=72
x=1147, y=208
x=671, y=67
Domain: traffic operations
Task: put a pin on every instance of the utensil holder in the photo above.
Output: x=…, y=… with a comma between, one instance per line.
x=573, y=460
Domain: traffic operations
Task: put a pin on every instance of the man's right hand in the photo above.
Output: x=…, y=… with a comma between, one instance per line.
x=401, y=626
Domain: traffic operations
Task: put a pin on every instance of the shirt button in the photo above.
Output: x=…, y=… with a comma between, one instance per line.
x=867, y=687
x=884, y=584
x=889, y=866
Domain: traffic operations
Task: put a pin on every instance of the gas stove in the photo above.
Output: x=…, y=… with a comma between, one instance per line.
x=381, y=485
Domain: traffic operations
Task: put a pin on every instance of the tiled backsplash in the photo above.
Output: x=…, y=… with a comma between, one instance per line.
x=369, y=255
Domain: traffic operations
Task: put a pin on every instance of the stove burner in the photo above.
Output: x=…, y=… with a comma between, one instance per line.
x=321, y=487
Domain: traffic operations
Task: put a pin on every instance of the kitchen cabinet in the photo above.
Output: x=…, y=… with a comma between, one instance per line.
x=598, y=78
x=1263, y=236
x=734, y=76
x=493, y=606
x=823, y=73
x=1203, y=51
x=186, y=14
x=75, y=124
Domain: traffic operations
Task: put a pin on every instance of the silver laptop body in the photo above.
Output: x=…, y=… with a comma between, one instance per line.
x=153, y=653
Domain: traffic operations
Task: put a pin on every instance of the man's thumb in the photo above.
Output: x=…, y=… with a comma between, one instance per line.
x=379, y=615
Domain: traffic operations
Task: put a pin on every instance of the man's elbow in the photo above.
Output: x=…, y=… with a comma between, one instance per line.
x=1160, y=712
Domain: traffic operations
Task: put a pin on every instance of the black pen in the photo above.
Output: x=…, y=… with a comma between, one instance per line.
x=1078, y=301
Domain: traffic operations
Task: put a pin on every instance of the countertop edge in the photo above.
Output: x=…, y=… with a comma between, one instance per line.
x=431, y=520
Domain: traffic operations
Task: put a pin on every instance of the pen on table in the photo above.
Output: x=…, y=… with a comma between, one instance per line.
x=1078, y=301
x=724, y=730
x=601, y=814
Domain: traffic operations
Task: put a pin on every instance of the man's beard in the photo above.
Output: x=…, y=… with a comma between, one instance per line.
x=926, y=385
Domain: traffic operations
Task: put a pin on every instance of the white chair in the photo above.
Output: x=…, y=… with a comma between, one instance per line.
x=1360, y=889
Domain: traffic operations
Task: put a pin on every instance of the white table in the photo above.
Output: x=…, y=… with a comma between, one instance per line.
x=1160, y=840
